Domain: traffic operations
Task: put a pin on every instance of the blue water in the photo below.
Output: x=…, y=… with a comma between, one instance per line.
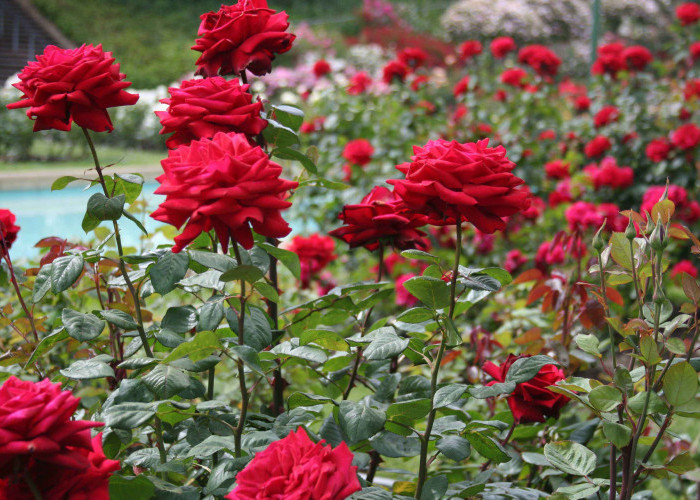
x=42, y=212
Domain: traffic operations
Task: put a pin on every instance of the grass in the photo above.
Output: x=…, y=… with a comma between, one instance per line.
x=108, y=155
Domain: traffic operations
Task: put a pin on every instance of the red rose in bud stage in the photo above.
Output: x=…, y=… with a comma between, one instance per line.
x=541, y=59
x=244, y=36
x=413, y=57
x=395, y=70
x=321, y=68
x=686, y=210
x=694, y=51
x=224, y=184
x=658, y=149
x=403, y=297
x=200, y=108
x=684, y=266
x=501, y=46
x=610, y=60
x=461, y=87
x=449, y=183
x=606, y=116
x=609, y=174
x=686, y=136
x=688, y=13
x=557, y=169
x=380, y=216
x=359, y=83
x=531, y=401
x=637, y=57
x=297, y=468
x=515, y=77
x=597, y=146
x=358, y=152
x=469, y=49
x=8, y=230
x=72, y=85
x=692, y=89
x=315, y=253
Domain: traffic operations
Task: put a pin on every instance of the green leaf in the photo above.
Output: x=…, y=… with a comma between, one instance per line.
x=413, y=409
x=210, y=314
x=435, y=488
x=680, y=384
x=268, y=291
x=433, y=292
x=249, y=356
x=393, y=445
x=130, y=185
x=488, y=447
x=385, y=346
x=251, y=274
x=577, y=491
x=42, y=283
x=570, y=457
x=166, y=381
x=47, y=343
x=80, y=326
x=420, y=255
x=289, y=116
x=289, y=259
x=359, y=422
x=589, y=344
x=525, y=369
x=617, y=434
x=119, y=319
x=448, y=394
x=65, y=271
x=681, y=464
x=88, y=369
x=211, y=445
x=324, y=338
x=198, y=347
x=293, y=154
x=102, y=208
x=656, y=404
x=490, y=391
x=649, y=350
x=620, y=250
x=211, y=260
x=454, y=447
x=89, y=222
x=129, y=416
x=168, y=270
x=415, y=315
x=180, y=319
x=605, y=398
x=133, y=219
x=62, y=182
x=305, y=399
x=130, y=488
x=279, y=135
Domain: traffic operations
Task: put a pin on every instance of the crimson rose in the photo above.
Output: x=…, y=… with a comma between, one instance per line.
x=8, y=230
x=315, y=252
x=501, y=46
x=688, y=13
x=541, y=59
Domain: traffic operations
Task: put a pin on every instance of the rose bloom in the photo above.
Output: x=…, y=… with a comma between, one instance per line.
x=358, y=152
x=514, y=260
x=694, y=50
x=202, y=107
x=549, y=254
x=403, y=297
x=686, y=210
x=606, y=116
x=515, y=77
x=597, y=146
x=359, y=83
x=315, y=253
x=614, y=220
x=686, y=136
x=72, y=85
x=469, y=49
x=536, y=208
x=583, y=215
x=609, y=174
x=610, y=60
x=684, y=266
x=557, y=169
x=461, y=87
x=418, y=82
x=541, y=59
x=412, y=56
x=501, y=46
x=321, y=68
x=582, y=103
x=561, y=193
x=658, y=149
x=637, y=57
x=531, y=401
x=296, y=468
x=460, y=112
x=483, y=242
x=223, y=184
x=244, y=36
x=380, y=217
x=395, y=70
x=449, y=182
x=692, y=89
x=684, y=115
x=8, y=230
x=688, y=13
x=547, y=135
x=500, y=95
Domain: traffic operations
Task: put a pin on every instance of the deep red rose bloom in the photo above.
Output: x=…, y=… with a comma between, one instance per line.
x=395, y=70
x=514, y=260
x=8, y=230
x=296, y=468
x=583, y=215
x=609, y=174
x=315, y=253
x=469, y=49
x=243, y=36
x=200, y=108
x=582, y=103
x=615, y=221
x=547, y=135
x=637, y=57
x=359, y=83
x=606, y=116
x=658, y=149
x=597, y=146
x=403, y=297
x=694, y=51
x=610, y=60
x=449, y=182
x=684, y=266
x=72, y=85
x=692, y=89
x=516, y=77
x=418, y=82
x=412, y=56
x=500, y=95
x=686, y=136
x=557, y=169
x=501, y=46
x=358, y=152
x=321, y=68
x=223, y=184
x=531, y=401
x=460, y=112
x=686, y=210
x=536, y=208
x=688, y=13
x=380, y=216
x=461, y=87
x=541, y=59
x=561, y=193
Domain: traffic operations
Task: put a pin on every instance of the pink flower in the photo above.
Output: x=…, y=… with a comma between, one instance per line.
x=694, y=50
x=686, y=210
x=514, y=260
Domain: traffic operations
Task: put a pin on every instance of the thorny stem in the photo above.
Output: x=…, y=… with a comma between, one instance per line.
x=607, y=309
x=6, y=253
x=241, y=370
x=455, y=271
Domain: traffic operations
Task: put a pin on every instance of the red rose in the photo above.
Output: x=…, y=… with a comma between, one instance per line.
x=469, y=49
x=561, y=193
x=501, y=46
x=686, y=136
x=531, y=401
x=684, y=115
x=418, y=82
x=688, y=13
x=516, y=77
x=514, y=260
x=359, y=83
x=380, y=216
x=694, y=51
x=451, y=182
x=606, y=116
x=223, y=184
x=609, y=174
x=461, y=87
x=541, y=59
x=66, y=85
x=403, y=297
x=692, y=89
x=243, y=36
x=297, y=468
x=582, y=103
x=500, y=95
x=315, y=253
x=637, y=57
x=583, y=215
x=536, y=207
x=8, y=230
x=684, y=266
x=395, y=70
x=686, y=210
x=557, y=169
x=658, y=149
x=412, y=56
x=615, y=221
x=547, y=135
x=597, y=146
x=321, y=68
x=200, y=108
x=610, y=60
x=358, y=152
x=460, y=112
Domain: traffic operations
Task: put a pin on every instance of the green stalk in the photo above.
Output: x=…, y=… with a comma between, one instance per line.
x=241, y=370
